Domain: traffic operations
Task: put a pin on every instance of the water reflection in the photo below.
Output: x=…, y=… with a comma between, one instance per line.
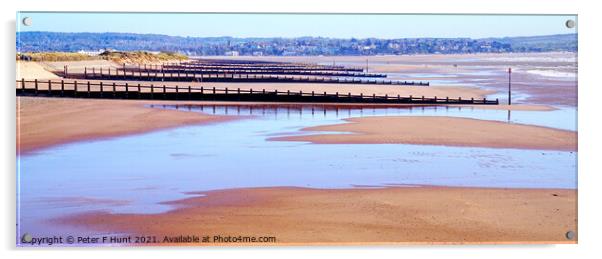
x=138, y=173
x=562, y=118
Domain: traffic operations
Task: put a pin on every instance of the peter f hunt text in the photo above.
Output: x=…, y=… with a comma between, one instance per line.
x=86, y=240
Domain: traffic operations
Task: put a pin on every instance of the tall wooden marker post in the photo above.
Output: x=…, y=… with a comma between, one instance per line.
x=509, y=86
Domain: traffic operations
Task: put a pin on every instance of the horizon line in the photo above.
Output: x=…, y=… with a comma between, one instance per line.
x=280, y=37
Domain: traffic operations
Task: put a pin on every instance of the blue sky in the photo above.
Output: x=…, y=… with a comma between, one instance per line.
x=296, y=25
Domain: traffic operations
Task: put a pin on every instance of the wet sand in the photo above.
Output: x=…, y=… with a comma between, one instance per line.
x=77, y=119
x=541, y=90
x=446, y=131
x=514, y=107
x=439, y=215
x=44, y=122
x=331, y=216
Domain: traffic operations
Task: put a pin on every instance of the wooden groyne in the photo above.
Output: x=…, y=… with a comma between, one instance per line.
x=187, y=70
x=162, y=75
x=251, y=64
x=120, y=90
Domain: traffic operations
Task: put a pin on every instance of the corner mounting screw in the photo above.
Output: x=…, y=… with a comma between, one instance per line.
x=570, y=235
x=27, y=21
x=570, y=24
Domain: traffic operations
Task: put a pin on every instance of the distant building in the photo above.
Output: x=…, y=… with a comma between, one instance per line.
x=91, y=52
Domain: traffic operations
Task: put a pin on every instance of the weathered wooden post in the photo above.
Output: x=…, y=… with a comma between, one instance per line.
x=509, y=86
x=114, y=90
x=62, y=88
x=36, y=87
x=88, y=89
x=163, y=91
x=49, y=87
x=86, y=72
x=152, y=87
x=139, y=92
x=93, y=72
x=23, y=85
x=127, y=94
x=189, y=92
x=124, y=74
x=75, y=88
x=101, y=89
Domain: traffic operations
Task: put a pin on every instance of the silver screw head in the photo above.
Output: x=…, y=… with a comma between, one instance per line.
x=26, y=238
x=570, y=24
x=570, y=235
x=27, y=21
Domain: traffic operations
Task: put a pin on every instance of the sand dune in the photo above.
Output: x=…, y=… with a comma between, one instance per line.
x=33, y=70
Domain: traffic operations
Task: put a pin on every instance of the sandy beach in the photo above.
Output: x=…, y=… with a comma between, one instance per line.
x=43, y=122
x=541, y=90
x=437, y=215
x=76, y=119
x=392, y=214
x=447, y=131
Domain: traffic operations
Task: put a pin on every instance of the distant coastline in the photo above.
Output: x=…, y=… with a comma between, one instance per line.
x=40, y=41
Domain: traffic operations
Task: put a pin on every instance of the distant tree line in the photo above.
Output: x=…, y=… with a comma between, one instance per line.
x=301, y=46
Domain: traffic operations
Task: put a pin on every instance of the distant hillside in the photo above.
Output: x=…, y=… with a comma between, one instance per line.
x=558, y=42
x=71, y=42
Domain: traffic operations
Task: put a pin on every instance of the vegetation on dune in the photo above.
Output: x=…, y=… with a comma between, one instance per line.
x=54, y=56
x=138, y=57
